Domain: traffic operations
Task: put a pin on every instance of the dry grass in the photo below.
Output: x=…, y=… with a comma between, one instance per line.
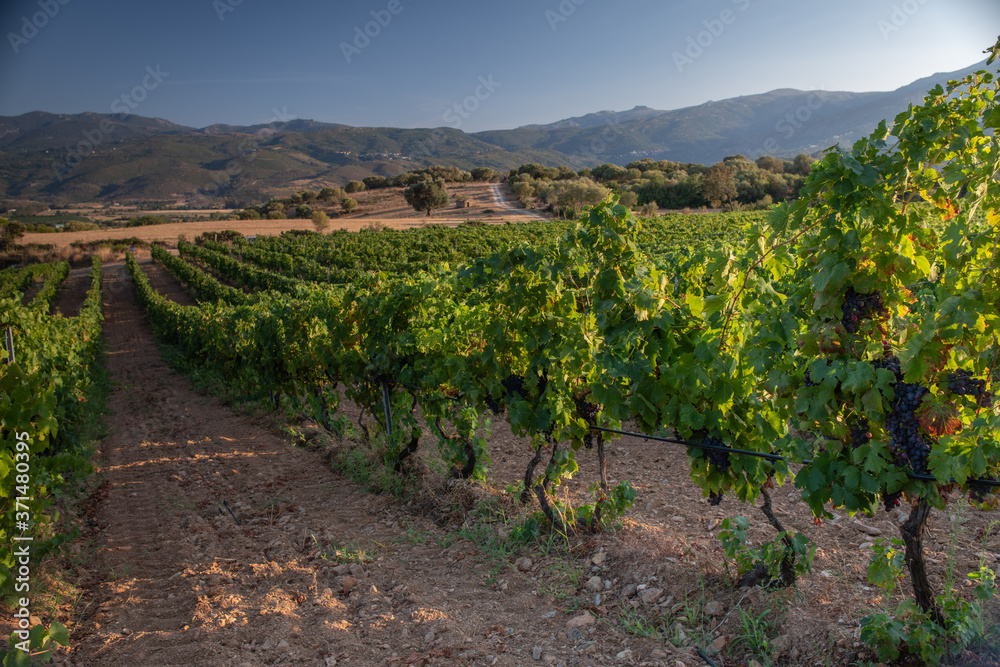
x=376, y=209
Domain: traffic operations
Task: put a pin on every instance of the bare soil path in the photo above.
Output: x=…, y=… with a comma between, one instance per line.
x=177, y=580
x=74, y=289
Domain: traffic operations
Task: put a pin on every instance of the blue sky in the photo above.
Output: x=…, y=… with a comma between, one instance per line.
x=505, y=64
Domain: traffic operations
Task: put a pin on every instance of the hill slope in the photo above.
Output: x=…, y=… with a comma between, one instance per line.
x=89, y=156
x=782, y=122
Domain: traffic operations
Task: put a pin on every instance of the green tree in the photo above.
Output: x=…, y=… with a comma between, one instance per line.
x=332, y=194
x=321, y=221
x=303, y=211
x=610, y=172
x=355, y=186
x=376, y=182
x=484, y=174
x=718, y=185
x=771, y=164
x=571, y=196
x=802, y=164
x=427, y=195
x=348, y=204
x=629, y=199
x=11, y=232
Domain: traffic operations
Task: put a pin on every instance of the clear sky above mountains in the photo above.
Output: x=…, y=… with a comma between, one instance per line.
x=472, y=65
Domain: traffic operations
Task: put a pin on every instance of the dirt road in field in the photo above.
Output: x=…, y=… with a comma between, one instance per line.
x=500, y=200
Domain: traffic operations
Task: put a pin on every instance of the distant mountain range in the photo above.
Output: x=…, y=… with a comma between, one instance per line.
x=102, y=157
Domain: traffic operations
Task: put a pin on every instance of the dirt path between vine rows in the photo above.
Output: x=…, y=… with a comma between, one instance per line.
x=69, y=298
x=179, y=580
x=220, y=543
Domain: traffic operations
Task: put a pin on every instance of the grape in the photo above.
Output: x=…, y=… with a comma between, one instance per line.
x=718, y=459
x=514, y=384
x=714, y=499
x=859, y=433
x=891, y=500
x=890, y=363
x=494, y=406
x=961, y=383
x=907, y=443
x=586, y=409
x=978, y=492
x=859, y=307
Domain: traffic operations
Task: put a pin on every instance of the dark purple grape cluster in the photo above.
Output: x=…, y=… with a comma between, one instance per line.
x=859, y=307
x=962, y=383
x=494, y=406
x=717, y=458
x=978, y=492
x=514, y=384
x=906, y=439
x=809, y=380
x=586, y=409
x=714, y=499
x=890, y=363
x=891, y=500
x=859, y=433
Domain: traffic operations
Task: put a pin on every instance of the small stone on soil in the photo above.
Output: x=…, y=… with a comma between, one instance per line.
x=714, y=608
x=581, y=621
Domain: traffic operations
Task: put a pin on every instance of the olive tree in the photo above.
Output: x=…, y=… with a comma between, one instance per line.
x=427, y=195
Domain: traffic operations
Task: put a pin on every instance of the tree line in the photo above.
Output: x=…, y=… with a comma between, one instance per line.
x=736, y=183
